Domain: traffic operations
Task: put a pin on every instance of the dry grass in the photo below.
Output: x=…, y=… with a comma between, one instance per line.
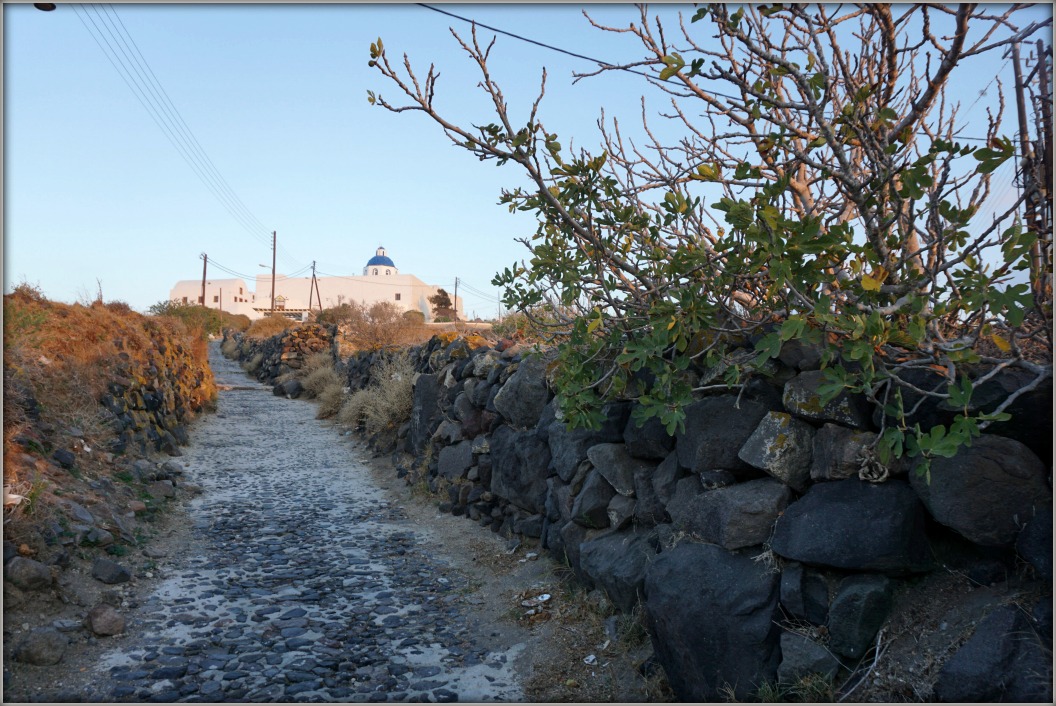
x=330, y=401
x=386, y=402
x=252, y=365
x=59, y=358
x=229, y=348
x=319, y=379
x=269, y=326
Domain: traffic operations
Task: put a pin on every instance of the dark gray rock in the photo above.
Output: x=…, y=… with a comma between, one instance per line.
x=852, y=524
x=41, y=647
x=591, y=507
x=836, y=452
x=292, y=389
x=522, y=398
x=666, y=477
x=648, y=509
x=1035, y=543
x=738, y=516
x=683, y=500
x=568, y=447
x=448, y=432
x=804, y=593
x=987, y=490
x=64, y=458
x=519, y=463
x=103, y=619
x=617, y=563
x=711, y=614
x=801, y=355
x=110, y=572
x=424, y=411
x=621, y=511
x=801, y=398
x=455, y=460
x=858, y=609
x=28, y=574
x=1002, y=661
x=617, y=467
x=801, y=657
x=559, y=500
x=782, y=446
x=711, y=480
x=572, y=536
x=650, y=440
x=715, y=430
x=467, y=414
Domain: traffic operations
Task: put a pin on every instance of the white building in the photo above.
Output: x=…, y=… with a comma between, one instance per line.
x=230, y=295
x=381, y=281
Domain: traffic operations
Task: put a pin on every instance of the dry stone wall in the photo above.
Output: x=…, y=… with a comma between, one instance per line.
x=759, y=514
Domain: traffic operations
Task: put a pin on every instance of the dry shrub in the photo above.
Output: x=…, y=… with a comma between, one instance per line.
x=269, y=326
x=229, y=348
x=252, y=365
x=63, y=356
x=330, y=401
x=386, y=402
x=319, y=379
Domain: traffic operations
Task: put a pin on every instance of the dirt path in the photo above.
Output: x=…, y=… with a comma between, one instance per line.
x=305, y=571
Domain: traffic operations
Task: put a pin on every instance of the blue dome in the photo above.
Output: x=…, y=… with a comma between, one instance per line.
x=380, y=260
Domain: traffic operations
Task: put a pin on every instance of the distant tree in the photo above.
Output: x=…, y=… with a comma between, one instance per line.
x=368, y=327
x=443, y=309
x=199, y=318
x=818, y=191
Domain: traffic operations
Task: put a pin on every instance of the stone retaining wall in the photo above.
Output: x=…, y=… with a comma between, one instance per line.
x=757, y=518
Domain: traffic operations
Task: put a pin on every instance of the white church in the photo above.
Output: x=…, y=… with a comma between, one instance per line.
x=381, y=281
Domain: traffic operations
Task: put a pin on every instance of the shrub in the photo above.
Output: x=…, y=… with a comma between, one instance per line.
x=801, y=198
x=387, y=400
x=414, y=317
x=330, y=400
x=316, y=381
x=229, y=348
x=268, y=326
x=252, y=365
x=201, y=320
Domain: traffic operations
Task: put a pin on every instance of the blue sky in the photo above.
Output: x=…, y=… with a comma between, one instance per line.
x=276, y=96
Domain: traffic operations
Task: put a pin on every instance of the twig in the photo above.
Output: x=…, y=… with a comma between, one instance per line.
x=876, y=658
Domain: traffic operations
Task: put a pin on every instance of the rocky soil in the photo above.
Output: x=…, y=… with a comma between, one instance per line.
x=304, y=570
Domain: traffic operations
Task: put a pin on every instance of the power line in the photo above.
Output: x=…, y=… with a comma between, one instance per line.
x=599, y=62
x=181, y=122
x=128, y=60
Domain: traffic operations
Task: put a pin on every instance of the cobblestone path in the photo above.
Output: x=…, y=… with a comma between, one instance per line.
x=301, y=582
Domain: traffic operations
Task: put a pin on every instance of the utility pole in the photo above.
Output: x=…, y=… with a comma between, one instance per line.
x=454, y=304
x=205, y=265
x=221, y=300
x=274, y=236
x=313, y=288
x=316, y=280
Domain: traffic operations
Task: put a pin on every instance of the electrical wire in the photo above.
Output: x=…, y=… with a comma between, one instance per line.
x=177, y=118
x=140, y=89
x=115, y=41
x=599, y=62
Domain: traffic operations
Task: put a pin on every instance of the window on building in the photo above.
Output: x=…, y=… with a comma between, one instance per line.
x=375, y=270
x=201, y=301
x=397, y=296
x=215, y=299
x=388, y=272
x=240, y=290
x=185, y=300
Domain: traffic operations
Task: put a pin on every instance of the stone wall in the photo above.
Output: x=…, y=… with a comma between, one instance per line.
x=760, y=516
